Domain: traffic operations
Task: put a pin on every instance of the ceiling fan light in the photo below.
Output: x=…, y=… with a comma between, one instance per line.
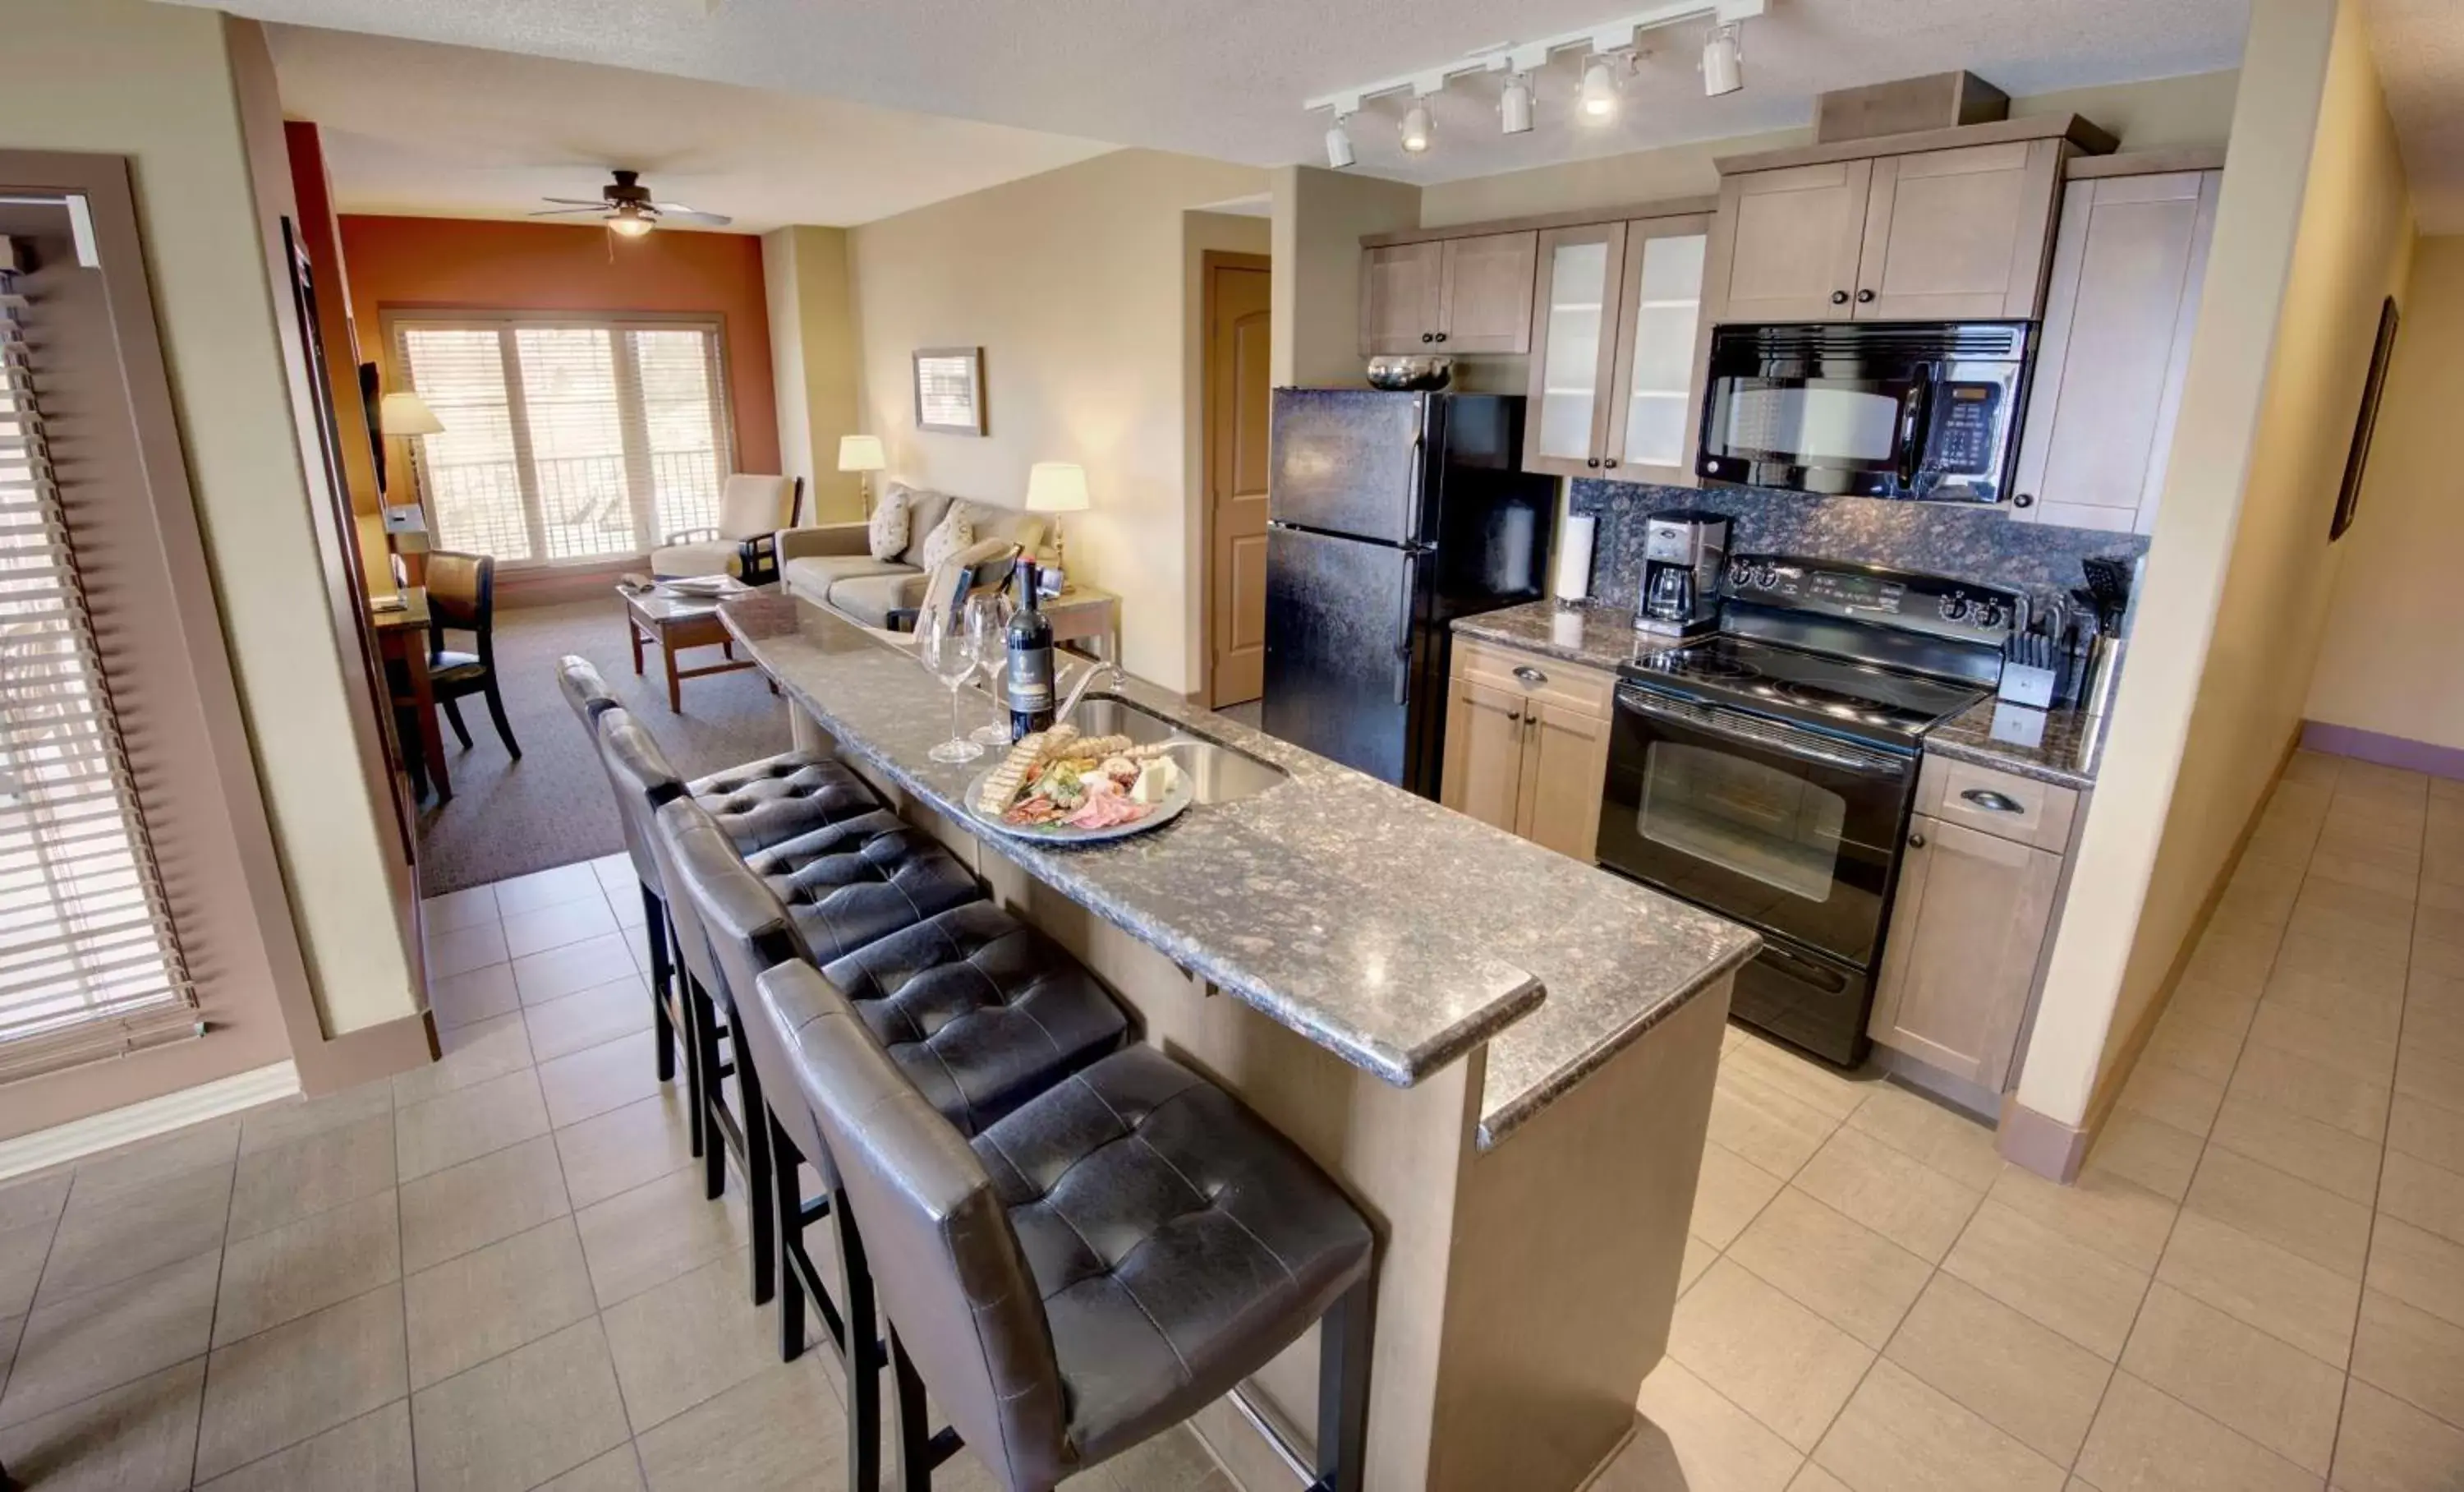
x=1600, y=96
x=631, y=225
x=1515, y=106
x=1418, y=129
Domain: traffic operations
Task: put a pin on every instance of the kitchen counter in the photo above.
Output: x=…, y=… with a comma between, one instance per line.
x=1601, y=637
x=1378, y=926
x=2067, y=744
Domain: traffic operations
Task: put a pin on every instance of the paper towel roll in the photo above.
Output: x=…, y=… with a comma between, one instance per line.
x=1574, y=558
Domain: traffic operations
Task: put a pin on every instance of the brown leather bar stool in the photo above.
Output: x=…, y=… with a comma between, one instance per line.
x=979, y=1010
x=1090, y=1271
x=765, y=801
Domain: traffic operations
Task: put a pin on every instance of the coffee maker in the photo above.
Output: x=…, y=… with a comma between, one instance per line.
x=1683, y=551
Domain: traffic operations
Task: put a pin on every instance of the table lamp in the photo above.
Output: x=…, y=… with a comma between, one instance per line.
x=863, y=456
x=1057, y=487
x=405, y=414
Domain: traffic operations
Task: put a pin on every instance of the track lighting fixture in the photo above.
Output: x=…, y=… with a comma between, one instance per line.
x=1514, y=104
x=1418, y=128
x=1723, y=61
x=1599, y=95
x=1338, y=144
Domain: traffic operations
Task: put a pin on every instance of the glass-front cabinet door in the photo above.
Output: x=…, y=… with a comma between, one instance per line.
x=1574, y=349
x=1655, y=406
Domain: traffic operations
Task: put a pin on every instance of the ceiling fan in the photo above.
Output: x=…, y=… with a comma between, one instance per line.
x=628, y=207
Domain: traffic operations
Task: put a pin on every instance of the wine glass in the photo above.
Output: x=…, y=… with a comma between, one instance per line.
x=987, y=622
x=943, y=648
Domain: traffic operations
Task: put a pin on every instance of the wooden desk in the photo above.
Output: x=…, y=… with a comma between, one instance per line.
x=402, y=636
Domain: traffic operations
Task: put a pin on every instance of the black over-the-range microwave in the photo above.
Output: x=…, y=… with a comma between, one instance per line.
x=1925, y=411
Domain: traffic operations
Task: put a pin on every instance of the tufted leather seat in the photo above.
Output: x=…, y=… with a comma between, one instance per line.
x=762, y=803
x=1097, y=1266
x=862, y=879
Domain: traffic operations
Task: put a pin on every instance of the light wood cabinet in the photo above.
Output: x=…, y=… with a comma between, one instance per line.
x=1928, y=235
x=1528, y=746
x=2121, y=305
x=1980, y=878
x=1617, y=349
x=1470, y=295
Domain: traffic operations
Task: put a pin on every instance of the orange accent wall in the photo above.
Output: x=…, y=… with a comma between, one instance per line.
x=398, y=262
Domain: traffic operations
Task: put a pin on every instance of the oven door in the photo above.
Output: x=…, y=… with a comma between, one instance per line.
x=1786, y=829
x=1864, y=437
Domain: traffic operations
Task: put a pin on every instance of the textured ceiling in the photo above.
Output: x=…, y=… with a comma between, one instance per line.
x=1226, y=81
x=2419, y=45
x=456, y=132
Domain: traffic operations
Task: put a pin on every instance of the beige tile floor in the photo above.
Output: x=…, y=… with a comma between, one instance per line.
x=496, y=1273
x=2258, y=1283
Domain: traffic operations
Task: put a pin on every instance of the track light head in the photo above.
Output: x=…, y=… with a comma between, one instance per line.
x=1418, y=128
x=1338, y=144
x=1723, y=62
x=1599, y=95
x=1514, y=105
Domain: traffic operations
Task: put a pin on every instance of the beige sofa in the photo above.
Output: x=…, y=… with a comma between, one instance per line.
x=831, y=565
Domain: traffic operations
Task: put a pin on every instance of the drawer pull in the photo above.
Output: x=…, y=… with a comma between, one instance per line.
x=1531, y=676
x=1993, y=802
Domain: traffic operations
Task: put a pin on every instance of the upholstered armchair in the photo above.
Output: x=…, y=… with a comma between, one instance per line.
x=745, y=543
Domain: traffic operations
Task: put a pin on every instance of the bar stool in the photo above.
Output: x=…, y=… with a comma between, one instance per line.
x=982, y=1012
x=1092, y=1270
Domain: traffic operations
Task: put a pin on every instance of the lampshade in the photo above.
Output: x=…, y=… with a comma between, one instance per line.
x=860, y=454
x=1056, y=487
x=407, y=413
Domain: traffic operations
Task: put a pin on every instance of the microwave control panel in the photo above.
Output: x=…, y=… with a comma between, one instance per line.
x=1966, y=440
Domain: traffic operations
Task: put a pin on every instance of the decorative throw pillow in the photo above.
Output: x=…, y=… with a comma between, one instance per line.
x=954, y=534
x=888, y=533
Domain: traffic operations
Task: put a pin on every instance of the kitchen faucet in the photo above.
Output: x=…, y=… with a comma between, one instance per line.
x=1094, y=667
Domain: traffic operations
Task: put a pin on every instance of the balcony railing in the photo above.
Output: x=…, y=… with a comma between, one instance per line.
x=586, y=506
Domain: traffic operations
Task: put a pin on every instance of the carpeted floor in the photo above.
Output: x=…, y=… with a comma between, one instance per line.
x=552, y=807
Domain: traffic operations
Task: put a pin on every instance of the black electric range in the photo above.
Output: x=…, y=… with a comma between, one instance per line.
x=1767, y=771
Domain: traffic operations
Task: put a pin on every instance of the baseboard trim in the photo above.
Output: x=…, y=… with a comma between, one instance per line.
x=2032, y=1142
x=2370, y=745
x=111, y=1129
x=367, y=1054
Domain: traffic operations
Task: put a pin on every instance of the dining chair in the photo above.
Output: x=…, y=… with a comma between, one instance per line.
x=462, y=595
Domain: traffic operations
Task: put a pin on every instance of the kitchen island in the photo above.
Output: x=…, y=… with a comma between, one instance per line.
x=1506, y=1057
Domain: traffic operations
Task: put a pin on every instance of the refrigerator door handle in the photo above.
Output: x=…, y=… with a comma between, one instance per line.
x=1403, y=632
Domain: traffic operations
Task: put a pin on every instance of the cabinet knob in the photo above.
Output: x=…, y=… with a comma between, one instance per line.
x=1840, y=298
x=1594, y=461
x=1916, y=841
x=1864, y=297
x=2024, y=500
x=1429, y=335
x=1611, y=462
x=1515, y=718
x=1441, y=336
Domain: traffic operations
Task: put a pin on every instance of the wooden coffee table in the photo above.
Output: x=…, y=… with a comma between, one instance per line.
x=676, y=622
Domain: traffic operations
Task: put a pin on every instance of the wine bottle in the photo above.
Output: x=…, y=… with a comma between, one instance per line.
x=1029, y=676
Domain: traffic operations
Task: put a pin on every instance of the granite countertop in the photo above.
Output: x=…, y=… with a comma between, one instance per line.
x=1397, y=934
x=1601, y=637
x=2059, y=746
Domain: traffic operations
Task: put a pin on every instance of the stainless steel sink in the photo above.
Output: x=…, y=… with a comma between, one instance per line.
x=1220, y=773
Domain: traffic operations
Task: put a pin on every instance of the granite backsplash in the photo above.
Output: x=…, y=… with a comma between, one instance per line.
x=1966, y=543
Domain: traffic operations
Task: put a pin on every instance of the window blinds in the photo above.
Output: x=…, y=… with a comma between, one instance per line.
x=90, y=964
x=567, y=440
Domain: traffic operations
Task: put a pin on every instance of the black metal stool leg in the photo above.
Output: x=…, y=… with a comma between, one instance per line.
x=907, y=1406
x=786, y=1203
x=714, y=1088
x=861, y=1355
x=654, y=929
x=758, y=1159
x=689, y=1005
x=1343, y=1345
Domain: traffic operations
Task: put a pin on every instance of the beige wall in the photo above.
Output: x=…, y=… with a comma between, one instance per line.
x=1319, y=217
x=2314, y=227
x=2391, y=663
x=813, y=363
x=2169, y=111
x=1075, y=284
x=156, y=83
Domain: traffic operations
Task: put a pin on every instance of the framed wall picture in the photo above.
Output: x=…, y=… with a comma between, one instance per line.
x=950, y=389
x=2358, y=460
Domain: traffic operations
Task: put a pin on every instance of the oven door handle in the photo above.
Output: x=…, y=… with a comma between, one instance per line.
x=1775, y=735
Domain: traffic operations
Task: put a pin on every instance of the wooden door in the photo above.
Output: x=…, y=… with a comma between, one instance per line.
x=1482, y=774
x=1565, y=770
x=1954, y=233
x=1664, y=343
x=1485, y=304
x=1238, y=398
x=1574, y=348
x=2119, y=307
x=1402, y=288
x=1787, y=243
x=1961, y=955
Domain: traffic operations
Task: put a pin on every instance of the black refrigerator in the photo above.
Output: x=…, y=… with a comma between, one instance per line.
x=1389, y=515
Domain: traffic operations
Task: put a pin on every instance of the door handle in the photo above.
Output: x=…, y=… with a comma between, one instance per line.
x=1403, y=635
x=1912, y=424
x=1993, y=802
x=1531, y=676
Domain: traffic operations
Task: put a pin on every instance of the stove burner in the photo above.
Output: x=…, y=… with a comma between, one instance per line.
x=1700, y=663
